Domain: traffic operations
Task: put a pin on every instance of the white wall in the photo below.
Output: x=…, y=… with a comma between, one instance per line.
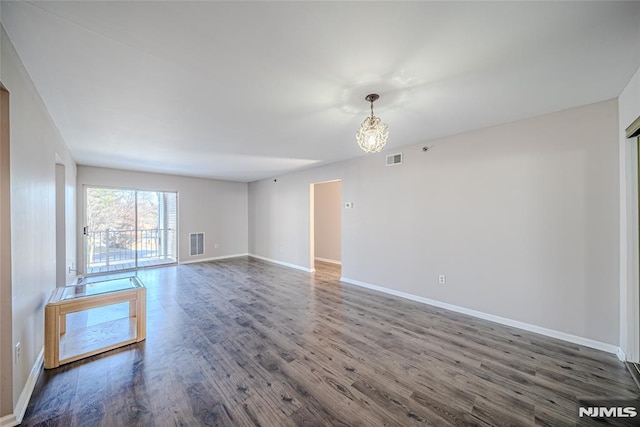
x=61, y=226
x=35, y=141
x=217, y=208
x=328, y=225
x=522, y=218
x=629, y=110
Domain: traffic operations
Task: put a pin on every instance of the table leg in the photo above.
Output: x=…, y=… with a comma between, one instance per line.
x=51, y=337
x=141, y=313
x=63, y=324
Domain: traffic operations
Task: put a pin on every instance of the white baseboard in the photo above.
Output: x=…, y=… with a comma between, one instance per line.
x=216, y=258
x=330, y=261
x=621, y=355
x=8, y=421
x=23, y=401
x=609, y=348
x=286, y=264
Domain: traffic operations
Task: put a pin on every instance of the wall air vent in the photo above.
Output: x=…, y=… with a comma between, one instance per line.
x=394, y=159
x=196, y=244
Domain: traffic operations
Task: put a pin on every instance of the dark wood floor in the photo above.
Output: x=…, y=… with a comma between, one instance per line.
x=243, y=342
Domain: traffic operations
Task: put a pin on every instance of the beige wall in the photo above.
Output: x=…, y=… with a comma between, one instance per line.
x=629, y=110
x=217, y=208
x=328, y=225
x=35, y=142
x=522, y=218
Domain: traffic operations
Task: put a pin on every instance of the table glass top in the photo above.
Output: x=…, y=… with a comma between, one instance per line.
x=96, y=288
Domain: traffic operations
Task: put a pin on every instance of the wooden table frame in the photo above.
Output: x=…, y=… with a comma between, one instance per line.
x=56, y=320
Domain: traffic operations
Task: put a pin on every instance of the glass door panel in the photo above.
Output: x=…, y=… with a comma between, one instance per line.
x=156, y=235
x=110, y=230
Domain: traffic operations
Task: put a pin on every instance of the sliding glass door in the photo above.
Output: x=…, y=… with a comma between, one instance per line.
x=126, y=229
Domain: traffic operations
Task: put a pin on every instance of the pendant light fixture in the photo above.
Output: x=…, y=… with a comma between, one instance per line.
x=372, y=134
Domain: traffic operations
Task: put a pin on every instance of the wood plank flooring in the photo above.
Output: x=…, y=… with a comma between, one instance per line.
x=242, y=342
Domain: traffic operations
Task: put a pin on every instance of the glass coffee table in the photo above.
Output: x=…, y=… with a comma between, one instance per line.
x=62, y=346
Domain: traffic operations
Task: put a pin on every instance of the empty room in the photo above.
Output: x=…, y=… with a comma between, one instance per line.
x=265, y=213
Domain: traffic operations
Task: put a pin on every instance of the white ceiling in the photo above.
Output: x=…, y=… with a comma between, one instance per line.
x=248, y=90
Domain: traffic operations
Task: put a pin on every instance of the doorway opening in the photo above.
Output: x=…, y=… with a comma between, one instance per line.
x=127, y=229
x=6, y=315
x=633, y=264
x=326, y=227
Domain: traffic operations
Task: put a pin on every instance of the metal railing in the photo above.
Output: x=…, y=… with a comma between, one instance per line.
x=107, y=247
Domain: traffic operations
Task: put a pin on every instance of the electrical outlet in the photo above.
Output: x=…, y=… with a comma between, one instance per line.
x=442, y=279
x=216, y=246
x=17, y=355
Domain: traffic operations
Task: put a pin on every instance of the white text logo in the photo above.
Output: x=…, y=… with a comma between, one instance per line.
x=608, y=412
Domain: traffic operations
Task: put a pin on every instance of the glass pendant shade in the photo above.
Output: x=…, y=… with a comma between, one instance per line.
x=372, y=135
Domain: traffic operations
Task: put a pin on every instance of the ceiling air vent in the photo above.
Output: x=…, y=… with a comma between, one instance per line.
x=196, y=244
x=394, y=159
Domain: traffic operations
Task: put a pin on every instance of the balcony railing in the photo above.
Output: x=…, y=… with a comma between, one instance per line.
x=109, y=250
